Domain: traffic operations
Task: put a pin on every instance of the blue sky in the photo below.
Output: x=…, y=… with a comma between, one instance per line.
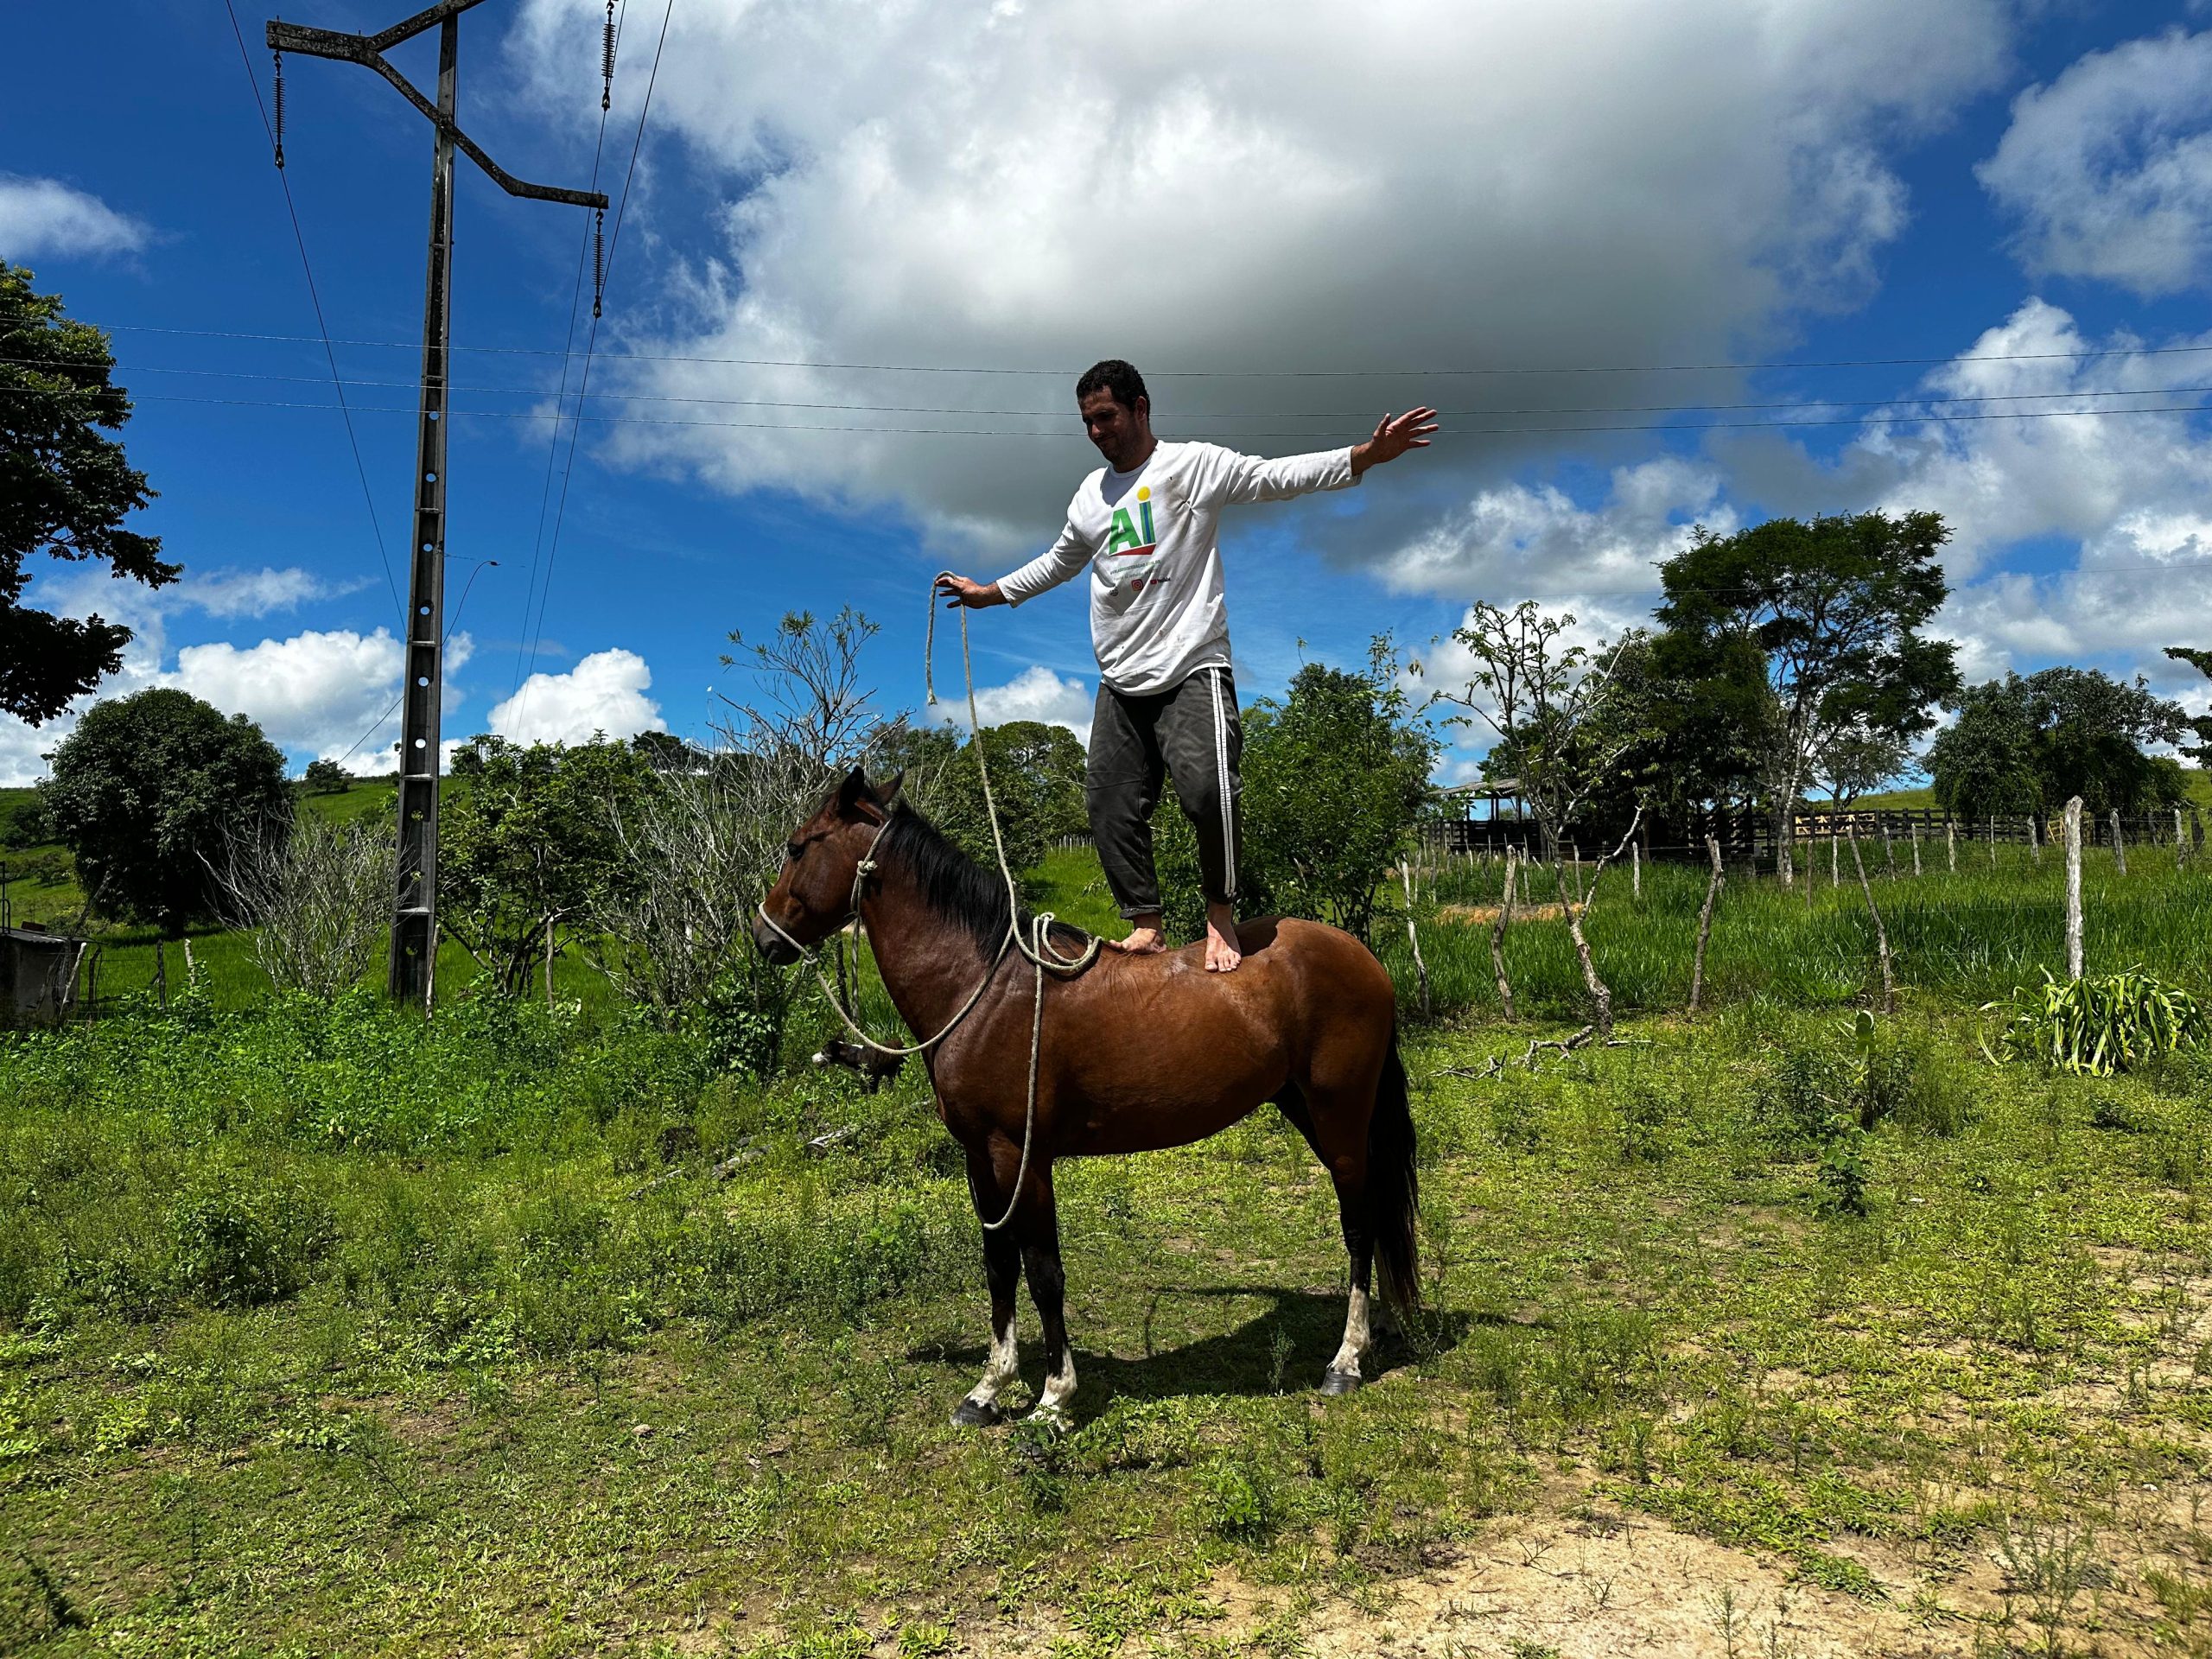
x=1017, y=186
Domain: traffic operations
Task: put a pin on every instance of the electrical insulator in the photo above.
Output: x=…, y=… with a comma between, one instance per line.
x=279, y=57
x=598, y=260
x=607, y=60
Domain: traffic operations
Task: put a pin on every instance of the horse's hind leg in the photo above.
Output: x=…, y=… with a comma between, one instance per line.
x=1002, y=1270
x=1343, y=1153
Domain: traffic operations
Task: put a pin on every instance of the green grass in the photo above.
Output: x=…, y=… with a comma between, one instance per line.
x=335, y=1331
x=1967, y=938
x=328, y=1328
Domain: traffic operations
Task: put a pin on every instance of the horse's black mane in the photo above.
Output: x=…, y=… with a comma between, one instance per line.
x=955, y=886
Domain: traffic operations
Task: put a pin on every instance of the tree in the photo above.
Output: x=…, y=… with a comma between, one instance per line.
x=1335, y=776
x=1555, y=707
x=1050, y=764
x=2200, y=751
x=151, y=791
x=529, y=843
x=1834, y=606
x=64, y=490
x=665, y=752
x=326, y=778
x=1854, y=761
x=1036, y=773
x=2024, y=744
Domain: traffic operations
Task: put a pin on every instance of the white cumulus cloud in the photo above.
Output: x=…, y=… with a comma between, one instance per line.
x=1435, y=185
x=229, y=593
x=1515, y=540
x=603, y=695
x=2108, y=169
x=2123, y=495
x=1037, y=692
x=331, y=693
x=45, y=216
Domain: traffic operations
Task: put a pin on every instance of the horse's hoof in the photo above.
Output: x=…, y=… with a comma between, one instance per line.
x=1340, y=1382
x=969, y=1414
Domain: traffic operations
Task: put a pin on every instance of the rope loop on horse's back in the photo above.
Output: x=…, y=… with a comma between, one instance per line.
x=1044, y=956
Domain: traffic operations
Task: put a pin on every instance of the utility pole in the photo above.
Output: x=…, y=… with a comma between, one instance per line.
x=415, y=924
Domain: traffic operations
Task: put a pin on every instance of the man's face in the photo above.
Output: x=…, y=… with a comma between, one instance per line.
x=1123, y=435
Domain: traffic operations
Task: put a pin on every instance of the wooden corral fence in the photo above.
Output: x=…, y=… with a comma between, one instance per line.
x=1887, y=835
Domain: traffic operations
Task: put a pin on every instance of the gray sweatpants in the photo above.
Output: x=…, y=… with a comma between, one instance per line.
x=1191, y=734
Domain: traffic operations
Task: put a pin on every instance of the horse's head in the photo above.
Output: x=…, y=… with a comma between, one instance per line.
x=814, y=895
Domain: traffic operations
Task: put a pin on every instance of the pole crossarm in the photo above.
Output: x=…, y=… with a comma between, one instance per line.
x=368, y=51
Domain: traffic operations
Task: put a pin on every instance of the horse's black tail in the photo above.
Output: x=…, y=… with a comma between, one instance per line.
x=1393, y=1185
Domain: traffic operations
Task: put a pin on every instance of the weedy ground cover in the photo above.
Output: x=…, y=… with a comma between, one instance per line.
x=326, y=1330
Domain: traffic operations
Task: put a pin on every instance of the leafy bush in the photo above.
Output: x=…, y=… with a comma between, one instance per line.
x=234, y=1247
x=1335, y=776
x=2100, y=1023
x=1237, y=1499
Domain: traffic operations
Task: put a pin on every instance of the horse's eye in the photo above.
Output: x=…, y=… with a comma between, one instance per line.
x=792, y=850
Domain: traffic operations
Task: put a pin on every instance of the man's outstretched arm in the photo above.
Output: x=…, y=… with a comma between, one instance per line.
x=1063, y=559
x=1394, y=435
x=1249, y=478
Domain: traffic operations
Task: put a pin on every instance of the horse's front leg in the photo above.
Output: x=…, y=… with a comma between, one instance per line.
x=1002, y=1270
x=1039, y=1223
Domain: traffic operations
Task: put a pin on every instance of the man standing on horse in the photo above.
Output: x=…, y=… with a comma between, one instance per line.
x=1147, y=525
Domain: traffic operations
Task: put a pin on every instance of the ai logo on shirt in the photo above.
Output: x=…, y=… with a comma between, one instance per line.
x=1123, y=536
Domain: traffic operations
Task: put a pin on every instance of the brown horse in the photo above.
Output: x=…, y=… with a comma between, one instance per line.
x=1137, y=1052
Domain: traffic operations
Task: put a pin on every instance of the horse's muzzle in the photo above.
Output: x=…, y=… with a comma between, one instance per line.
x=771, y=944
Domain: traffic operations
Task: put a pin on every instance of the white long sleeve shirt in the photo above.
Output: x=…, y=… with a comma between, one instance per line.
x=1150, y=537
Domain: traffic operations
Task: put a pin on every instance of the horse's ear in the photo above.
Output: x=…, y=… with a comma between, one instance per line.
x=853, y=791
x=888, y=793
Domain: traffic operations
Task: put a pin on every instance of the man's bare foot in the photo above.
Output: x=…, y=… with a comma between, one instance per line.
x=1145, y=939
x=1222, y=953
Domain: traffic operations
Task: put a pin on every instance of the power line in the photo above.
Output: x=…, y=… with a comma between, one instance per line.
x=1891, y=416
x=1399, y=373
x=591, y=341
x=561, y=398
x=576, y=300
x=299, y=238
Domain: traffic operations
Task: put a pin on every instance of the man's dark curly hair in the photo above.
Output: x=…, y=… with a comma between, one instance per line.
x=1115, y=377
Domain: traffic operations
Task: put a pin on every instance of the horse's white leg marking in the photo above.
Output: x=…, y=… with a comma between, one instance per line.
x=1059, y=1387
x=1002, y=1368
x=1355, y=1343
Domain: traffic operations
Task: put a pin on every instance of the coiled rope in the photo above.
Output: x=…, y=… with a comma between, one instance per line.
x=1044, y=956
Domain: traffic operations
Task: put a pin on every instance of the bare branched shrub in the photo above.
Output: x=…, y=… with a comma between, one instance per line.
x=318, y=900
x=701, y=847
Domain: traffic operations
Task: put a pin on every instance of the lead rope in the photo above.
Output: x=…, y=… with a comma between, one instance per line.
x=1038, y=947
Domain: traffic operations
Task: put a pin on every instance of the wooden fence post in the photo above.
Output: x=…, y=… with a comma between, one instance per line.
x=1916, y=848
x=2074, y=888
x=1951, y=843
x=1412, y=938
x=1704, y=918
x=1835, y=880
x=2119, y=844
x=2035, y=838
x=1635, y=861
x=1881, y=933
x=1991, y=834
x=162, y=972
x=1497, y=938
x=2180, y=846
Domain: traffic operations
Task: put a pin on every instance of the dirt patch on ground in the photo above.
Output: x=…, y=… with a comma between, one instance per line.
x=1484, y=915
x=1605, y=1585
x=1614, y=1586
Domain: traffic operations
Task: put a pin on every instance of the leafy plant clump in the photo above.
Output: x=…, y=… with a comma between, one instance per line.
x=2100, y=1023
